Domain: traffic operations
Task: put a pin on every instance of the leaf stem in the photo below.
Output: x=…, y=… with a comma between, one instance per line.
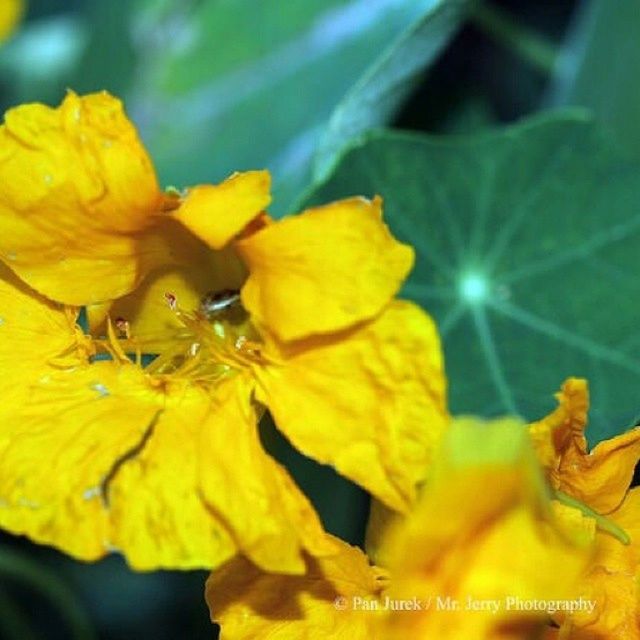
x=528, y=44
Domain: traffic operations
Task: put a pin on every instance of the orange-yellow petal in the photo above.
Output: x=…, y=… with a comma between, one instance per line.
x=370, y=401
x=483, y=540
x=324, y=270
x=250, y=604
x=11, y=11
x=564, y=427
x=102, y=456
x=599, y=478
x=218, y=213
x=612, y=583
x=103, y=459
x=271, y=520
x=34, y=334
x=76, y=190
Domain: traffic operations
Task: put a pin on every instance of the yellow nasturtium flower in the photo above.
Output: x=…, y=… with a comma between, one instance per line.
x=164, y=462
x=482, y=556
x=599, y=480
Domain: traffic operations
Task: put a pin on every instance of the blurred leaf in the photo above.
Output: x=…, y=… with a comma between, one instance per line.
x=598, y=67
x=109, y=59
x=233, y=84
x=374, y=99
x=13, y=623
x=527, y=241
x=15, y=567
x=40, y=59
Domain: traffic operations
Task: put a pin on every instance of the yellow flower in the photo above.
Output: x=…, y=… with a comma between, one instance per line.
x=82, y=218
x=482, y=547
x=164, y=461
x=600, y=481
x=11, y=12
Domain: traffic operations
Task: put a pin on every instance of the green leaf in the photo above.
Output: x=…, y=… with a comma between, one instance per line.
x=374, y=99
x=597, y=68
x=527, y=243
x=241, y=85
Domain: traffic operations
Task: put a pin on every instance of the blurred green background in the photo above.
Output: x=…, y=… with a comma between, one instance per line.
x=512, y=166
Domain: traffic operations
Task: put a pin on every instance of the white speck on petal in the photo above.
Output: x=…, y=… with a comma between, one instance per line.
x=102, y=390
x=1, y=321
x=48, y=179
x=89, y=494
x=12, y=255
x=30, y=504
x=107, y=144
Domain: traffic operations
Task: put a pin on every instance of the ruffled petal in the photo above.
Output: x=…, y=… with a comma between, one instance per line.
x=35, y=334
x=481, y=533
x=251, y=604
x=369, y=401
x=57, y=450
x=77, y=188
x=324, y=270
x=105, y=458
x=611, y=583
x=599, y=478
x=218, y=213
x=270, y=519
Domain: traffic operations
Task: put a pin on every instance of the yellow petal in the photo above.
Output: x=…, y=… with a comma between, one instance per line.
x=191, y=270
x=482, y=532
x=381, y=521
x=77, y=189
x=34, y=334
x=369, y=401
x=103, y=458
x=218, y=213
x=599, y=478
x=564, y=427
x=612, y=582
x=56, y=451
x=270, y=518
x=251, y=604
x=11, y=11
x=323, y=270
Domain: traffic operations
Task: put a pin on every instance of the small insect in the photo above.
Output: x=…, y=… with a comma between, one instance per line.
x=123, y=328
x=216, y=302
x=171, y=300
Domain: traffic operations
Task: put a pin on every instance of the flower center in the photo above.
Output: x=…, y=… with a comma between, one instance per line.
x=218, y=340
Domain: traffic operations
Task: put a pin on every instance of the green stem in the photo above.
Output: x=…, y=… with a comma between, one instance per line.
x=526, y=43
x=603, y=523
